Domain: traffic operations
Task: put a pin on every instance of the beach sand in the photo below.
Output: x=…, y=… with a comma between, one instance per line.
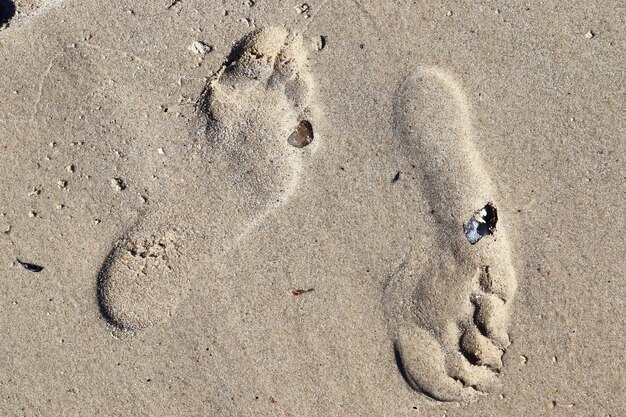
x=271, y=208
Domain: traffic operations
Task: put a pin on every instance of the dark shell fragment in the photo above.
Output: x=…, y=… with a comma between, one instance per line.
x=30, y=267
x=302, y=135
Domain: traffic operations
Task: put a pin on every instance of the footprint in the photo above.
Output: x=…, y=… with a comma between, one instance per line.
x=254, y=108
x=250, y=114
x=448, y=312
x=140, y=280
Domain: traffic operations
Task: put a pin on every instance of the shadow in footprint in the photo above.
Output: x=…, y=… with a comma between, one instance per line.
x=7, y=11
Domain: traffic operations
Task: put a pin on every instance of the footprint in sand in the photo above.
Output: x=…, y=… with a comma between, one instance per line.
x=448, y=314
x=256, y=132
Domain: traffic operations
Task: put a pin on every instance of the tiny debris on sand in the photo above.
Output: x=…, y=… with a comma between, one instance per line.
x=200, y=48
x=300, y=292
x=118, y=184
x=302, y=8
x=30, y=267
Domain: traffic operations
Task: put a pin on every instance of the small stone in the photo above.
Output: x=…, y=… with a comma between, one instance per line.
x=303, y=8
x=62, y=184
x=52, y=144
x=161, y=151
x=589, y=35
x=70, y=168
x=97, y=221
x=449, y=13
x=320, y=43
x=34, y=191
x=200, y=48
x=118, y=184
x=32, y=214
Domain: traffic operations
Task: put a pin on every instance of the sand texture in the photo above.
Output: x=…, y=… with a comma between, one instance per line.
x=277, y=208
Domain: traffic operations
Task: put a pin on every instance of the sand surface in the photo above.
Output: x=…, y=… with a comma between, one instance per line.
x=276, y=208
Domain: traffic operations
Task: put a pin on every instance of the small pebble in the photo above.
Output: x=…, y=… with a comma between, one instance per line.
x=70, y=168
x=200, y=48
x=449, y=13
x=320, y=43
x=161, y=151
x=34, y=191
x=589, y=35
x=118, y=184
x=32, y=214
x=303, y=8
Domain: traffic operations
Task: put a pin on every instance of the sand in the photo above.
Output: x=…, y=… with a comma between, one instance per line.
x=322, y=208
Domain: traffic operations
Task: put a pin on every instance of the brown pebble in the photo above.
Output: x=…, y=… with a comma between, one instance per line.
x=302, y=135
